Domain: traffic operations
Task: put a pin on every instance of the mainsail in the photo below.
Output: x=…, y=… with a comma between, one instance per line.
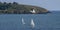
x=33, y=11
x=32, y=23
x=23, y=21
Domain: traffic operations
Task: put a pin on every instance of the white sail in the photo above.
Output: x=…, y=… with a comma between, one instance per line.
x=32, y=23
x=33, y=11
x=23, y=21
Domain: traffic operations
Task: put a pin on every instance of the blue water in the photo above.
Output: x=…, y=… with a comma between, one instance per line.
x=50, y=21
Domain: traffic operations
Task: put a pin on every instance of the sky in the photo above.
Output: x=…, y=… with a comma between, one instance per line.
x=51, y=5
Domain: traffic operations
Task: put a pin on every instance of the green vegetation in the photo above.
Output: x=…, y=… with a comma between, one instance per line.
x=15, y=8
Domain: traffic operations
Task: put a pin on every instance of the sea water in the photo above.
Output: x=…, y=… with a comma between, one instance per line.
x=50, y=21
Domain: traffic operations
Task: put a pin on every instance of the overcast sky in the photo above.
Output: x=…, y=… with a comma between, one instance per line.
x=48, y=4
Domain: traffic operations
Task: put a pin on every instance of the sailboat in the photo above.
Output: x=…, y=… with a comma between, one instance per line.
x=23, y=21
x=33, y=11
x=32, y=23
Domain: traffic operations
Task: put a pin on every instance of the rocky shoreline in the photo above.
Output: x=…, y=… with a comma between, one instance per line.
x=18, y=12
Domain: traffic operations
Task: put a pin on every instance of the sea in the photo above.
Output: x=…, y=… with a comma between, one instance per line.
x=49, y=21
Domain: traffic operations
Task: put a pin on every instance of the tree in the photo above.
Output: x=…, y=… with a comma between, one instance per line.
x=4, y=3
x=15, y=3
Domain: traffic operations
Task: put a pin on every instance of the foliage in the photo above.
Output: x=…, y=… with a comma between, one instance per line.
x=18, y=8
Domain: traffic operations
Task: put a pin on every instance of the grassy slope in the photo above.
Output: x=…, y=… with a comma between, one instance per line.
x=20, y=8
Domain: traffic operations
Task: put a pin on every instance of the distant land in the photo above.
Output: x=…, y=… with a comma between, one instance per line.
x=15, y=8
